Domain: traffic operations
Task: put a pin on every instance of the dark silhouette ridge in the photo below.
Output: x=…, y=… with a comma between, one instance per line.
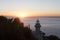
x=51, y=37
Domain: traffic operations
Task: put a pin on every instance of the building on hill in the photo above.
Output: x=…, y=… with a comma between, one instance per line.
x=38, y=33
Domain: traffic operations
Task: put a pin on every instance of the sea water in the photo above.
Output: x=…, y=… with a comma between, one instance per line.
x=50, y=26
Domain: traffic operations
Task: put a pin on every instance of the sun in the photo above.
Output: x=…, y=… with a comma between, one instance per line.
x=22, y=15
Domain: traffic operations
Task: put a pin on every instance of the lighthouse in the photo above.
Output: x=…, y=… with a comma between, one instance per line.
x=37, y=26
x=38, y=33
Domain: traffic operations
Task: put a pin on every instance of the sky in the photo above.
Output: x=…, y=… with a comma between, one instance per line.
x=30, y=7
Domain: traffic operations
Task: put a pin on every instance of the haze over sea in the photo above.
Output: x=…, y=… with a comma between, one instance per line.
x=49, y=25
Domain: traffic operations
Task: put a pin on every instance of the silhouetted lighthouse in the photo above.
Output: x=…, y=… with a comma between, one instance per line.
x=38, y=34
x=37, y=26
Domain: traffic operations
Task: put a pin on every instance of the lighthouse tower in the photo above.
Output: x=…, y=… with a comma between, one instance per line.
x=37, y=26
x=38, y=33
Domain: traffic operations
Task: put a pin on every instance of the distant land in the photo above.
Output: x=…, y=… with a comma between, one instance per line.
x=36, y=17
x=44, y=17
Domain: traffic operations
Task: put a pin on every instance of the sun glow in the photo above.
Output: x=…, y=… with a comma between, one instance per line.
x=22, y=15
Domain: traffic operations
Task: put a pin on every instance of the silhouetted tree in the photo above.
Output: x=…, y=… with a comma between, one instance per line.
x=13, y=29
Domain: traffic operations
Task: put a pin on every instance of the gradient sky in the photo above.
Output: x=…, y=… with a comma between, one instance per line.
x=35, y=7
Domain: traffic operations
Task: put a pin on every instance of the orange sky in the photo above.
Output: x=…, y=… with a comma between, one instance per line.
x=26, y=14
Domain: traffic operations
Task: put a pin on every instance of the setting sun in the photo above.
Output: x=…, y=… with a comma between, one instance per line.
x=22, y=15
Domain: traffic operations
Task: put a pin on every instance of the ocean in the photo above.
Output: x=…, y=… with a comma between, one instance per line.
x=49, y=25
